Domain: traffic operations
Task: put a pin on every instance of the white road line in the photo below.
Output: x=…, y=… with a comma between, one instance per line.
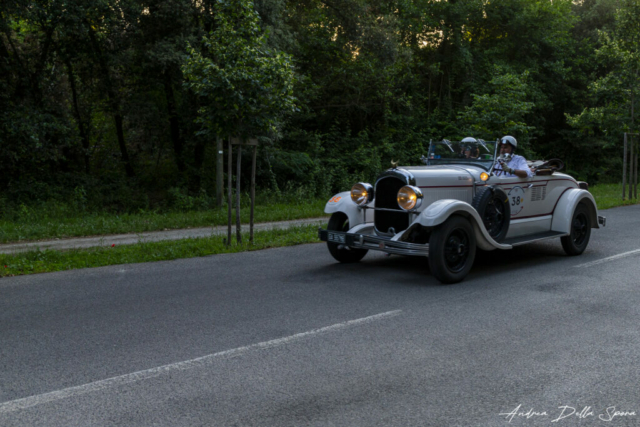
x=611, y=258
x=27, y=402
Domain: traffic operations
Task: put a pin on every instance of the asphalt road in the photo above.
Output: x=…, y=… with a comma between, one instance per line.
x=289, y=337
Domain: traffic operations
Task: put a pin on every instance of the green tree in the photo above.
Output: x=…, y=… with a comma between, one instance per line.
x=244, y=86
x=502, y=111
x=616, y=94
x=614, y=97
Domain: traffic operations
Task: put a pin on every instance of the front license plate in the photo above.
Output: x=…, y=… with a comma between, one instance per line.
x=336, y=238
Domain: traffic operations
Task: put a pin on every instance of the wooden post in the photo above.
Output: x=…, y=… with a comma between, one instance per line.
x=253, y=191
x=229, y=200
x=631, y=168
x=219, y=171
x=238, y=226
x=624, y=166
x=239, y=142
x=635, y=170
x=634, y=159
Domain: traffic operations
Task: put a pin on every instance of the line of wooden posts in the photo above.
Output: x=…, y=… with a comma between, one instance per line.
x=239, y=143
x=630, y=146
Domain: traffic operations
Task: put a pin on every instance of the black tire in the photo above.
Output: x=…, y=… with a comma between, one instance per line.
x=492, y=204
x=578, y=239
x=342, y=253
x=452, y=250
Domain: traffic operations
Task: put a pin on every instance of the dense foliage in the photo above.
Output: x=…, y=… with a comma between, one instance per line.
x=117, y=103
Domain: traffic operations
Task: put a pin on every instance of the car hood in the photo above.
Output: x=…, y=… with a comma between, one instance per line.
x=440, y=175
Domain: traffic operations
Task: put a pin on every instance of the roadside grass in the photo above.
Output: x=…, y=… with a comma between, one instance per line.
x=50, y=260
x=610, y=196
x=42, y=223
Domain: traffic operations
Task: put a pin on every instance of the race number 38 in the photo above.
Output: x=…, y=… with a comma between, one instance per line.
x=516, y=200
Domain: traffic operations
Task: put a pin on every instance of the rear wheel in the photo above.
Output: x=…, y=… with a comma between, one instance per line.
x=452, y=250
x=578, y=239
x=340, y=222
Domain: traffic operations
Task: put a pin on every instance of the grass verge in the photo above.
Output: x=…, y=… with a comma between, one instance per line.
x=39, y=224
x=51, y=260
x=610, y=196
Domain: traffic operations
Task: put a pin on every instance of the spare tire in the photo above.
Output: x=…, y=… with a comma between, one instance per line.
x=492, y=204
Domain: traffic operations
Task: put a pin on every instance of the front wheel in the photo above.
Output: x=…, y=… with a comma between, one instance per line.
x=578, y=239
x=452, y=250
x=342, y=253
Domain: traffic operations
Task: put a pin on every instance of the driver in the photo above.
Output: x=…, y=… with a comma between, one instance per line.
x=517, y=165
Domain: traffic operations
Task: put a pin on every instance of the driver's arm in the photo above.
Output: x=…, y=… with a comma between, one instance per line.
x=520, y=169
x=519, y=173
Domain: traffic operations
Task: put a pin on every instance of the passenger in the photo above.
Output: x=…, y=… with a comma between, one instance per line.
x=516, y=165
x=467, y=150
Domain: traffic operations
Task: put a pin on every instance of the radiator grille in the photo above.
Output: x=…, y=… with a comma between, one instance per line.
x=386, y=197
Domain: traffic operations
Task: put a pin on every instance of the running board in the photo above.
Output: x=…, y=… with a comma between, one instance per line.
x=521, y=240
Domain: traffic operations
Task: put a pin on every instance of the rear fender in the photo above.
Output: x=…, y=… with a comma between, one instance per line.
x=342, y=202
x=563, y=213
x=438, y=212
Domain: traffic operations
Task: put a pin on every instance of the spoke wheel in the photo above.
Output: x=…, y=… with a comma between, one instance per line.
x=580, y=232
x=452, y=250
x=456, y=250
x=579, y=229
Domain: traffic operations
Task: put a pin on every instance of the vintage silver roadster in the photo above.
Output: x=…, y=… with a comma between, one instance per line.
x=456, y=203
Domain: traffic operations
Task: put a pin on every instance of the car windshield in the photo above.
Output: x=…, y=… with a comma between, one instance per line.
x=476, y=152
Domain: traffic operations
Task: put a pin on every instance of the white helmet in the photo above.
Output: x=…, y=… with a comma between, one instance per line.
x=508, y=139
x=469, y=139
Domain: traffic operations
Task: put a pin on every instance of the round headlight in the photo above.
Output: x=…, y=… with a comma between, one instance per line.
x=361, y=193
x=484, y=176
x=409, y=197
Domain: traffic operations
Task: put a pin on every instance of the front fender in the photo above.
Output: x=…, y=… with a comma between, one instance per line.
x=438, y=212
x=563, y=213
x=341, y=202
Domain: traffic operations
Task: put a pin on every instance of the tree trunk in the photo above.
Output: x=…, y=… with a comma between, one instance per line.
x=174, y=124
x=253, y=191
x=113, y=102
x=198, y=161
x=229, y=199
x=123, y=146
x=238, y=226
x=41, y=63
x=429, y=102
x=24, y=82
x=624, y=167
x=634, y=159
x=76, y=109
x=219, y=171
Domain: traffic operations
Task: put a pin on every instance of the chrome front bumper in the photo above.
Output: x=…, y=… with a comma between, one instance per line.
x=375, y=243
